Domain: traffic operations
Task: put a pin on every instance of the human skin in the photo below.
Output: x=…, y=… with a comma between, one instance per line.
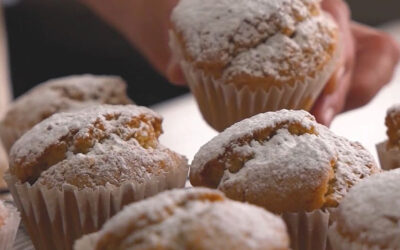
x=368, y=62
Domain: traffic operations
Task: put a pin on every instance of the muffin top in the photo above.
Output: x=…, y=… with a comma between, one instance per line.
x=92, y=147
x=191, y=219
x=62, y=94
x=246, y=42
x=393, y=126
x=284, y=161
x=370, y=212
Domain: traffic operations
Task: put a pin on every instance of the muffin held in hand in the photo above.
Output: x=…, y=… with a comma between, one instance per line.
x=389, y=150
x=74, y=170
x=287, y=163
x=241, y=58
x=200, y=219
x=368, y=218
x=62, y=94
x=9, y=222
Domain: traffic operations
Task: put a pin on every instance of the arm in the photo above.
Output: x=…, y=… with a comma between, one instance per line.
x=5, y=92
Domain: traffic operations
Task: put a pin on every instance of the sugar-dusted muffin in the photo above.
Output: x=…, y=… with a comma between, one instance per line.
x=287, y=163
x=368, y=217
x=3, y=165
x=389, y=150
x=241, y=58
x=74, y=170
x=62, y=94
x=9, y=222
x=200, y=219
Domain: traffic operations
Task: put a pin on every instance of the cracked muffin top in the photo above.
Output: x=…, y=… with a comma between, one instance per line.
x=369, y=215
x=92, y=147
x=62, y=94
x=190, y=219
x=246, y=42
x=284, y=161
x=393, y=126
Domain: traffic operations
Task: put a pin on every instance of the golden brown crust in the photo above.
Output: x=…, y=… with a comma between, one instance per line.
x=191, y=219
x=58, y=95
x=236, y=60
x=393, y=127
x=92, y=147
x=283, y=161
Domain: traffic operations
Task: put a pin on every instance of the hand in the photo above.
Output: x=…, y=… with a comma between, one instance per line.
x=368, y=63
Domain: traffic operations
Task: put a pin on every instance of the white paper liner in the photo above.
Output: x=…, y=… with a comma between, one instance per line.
x=55, y=218
x=389, y=159
x=338, y=242
x=223, y=104
x=308, y=231
x=8, y=231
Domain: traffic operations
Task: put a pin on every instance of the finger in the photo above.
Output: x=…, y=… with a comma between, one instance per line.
x=377, y=56
x=329, y=105
x=333, y=98
x=175, y=74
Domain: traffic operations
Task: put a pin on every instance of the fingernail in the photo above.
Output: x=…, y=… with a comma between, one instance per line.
x=328, y=116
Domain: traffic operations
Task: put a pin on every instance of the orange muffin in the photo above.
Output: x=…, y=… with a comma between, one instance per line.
x=199, y=219
x=368, y=217
x=9, y=222
x=241, y=58
x=62, y=94
x=3, y=165
x=74, y=170
x=389, y=150
x=287, y=163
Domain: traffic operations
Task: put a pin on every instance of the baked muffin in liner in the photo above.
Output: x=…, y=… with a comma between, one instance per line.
x=75, y=170
x=287, y=163
x=245, y=58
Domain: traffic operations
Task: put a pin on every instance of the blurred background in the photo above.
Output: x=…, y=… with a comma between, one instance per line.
x=50, y=38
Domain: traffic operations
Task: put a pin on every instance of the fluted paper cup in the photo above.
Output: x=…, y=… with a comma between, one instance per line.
x=388, y=157
x=223, y=104
x=9, y=229
x=308, y=231
x=55, y=218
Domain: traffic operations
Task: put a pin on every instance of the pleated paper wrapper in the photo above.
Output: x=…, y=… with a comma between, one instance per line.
x=55, y=218
x=389, y=158
x=9, y=229
x=223, y=104
x=308, y=231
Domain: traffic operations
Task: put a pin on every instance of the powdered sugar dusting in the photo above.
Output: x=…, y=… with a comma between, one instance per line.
x=62, y=94
x=394, y=110
x=247, y=127
x=286, y=162
x=370, y=213
x=259, y=38
x=110, y=144
x=285, y=57
x=176, y=219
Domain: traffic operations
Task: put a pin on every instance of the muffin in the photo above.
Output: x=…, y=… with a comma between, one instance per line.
x=74, y=170
x=287, y=163
x=3, y=166
x=62, y=94
x=368, y=217
x=241, y=58
x=199, y=219
x=9, y=222
x=389, y=150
